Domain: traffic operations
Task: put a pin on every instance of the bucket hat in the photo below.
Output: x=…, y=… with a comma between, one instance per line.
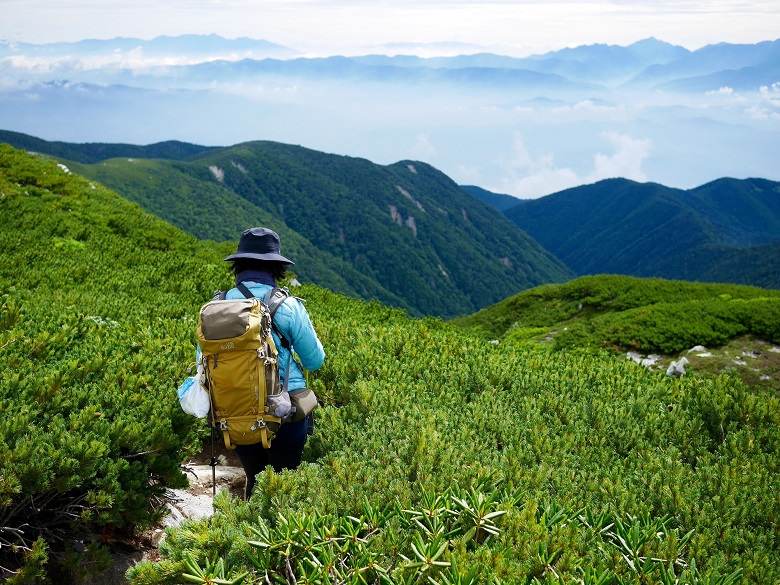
x=259, y=244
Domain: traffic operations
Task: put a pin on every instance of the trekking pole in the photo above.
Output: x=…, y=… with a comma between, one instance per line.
x=213, y=464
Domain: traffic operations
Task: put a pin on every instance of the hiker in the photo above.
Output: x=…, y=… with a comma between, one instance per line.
x=258, y=265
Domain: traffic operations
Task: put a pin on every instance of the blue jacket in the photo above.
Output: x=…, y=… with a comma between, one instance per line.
x=292, y=319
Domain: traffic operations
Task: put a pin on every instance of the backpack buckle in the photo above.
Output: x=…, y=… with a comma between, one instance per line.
x=259, y=424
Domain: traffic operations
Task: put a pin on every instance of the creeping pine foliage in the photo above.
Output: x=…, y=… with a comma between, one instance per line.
x=438, y=457
x=96, y=315
x=628, y=313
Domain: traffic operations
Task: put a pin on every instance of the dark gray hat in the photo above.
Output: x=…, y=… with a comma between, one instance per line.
x=259, y=244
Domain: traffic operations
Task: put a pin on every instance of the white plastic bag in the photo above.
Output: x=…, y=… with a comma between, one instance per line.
x=193, y=397
x=279, y=404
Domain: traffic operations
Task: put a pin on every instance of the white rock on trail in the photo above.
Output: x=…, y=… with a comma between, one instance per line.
x=195, y=502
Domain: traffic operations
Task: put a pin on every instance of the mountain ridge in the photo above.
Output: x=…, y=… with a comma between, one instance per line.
x=646, y=63
x=612, y=226
x=160, y=45
x=646, y=229
x=92, y=152
x=340, y=216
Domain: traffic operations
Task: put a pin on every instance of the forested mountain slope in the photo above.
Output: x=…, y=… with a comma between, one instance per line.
x=743, y=212
x=404, y=234
x=755, y=265
x=618, y=226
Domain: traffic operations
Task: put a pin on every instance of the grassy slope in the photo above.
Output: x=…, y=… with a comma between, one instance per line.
x=415, y=407
x=96, y=316
x=411, y=408
x=584, y=297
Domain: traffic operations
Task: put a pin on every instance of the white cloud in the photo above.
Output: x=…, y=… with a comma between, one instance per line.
x=134, y=59
x=468, y=175
x=423, y=149
x=722, y=91
x=771, y=95
x=531, y=176
x=587, y=106
x=625, y=162
x=757, y=113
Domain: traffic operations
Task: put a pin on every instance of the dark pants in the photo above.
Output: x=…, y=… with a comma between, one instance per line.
x=284, y=453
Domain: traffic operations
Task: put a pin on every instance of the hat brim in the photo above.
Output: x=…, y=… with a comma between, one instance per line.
x=270, y=257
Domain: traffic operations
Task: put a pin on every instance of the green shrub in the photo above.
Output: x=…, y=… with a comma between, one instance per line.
x=674, y=327
x=645, y=313
x=95, y=333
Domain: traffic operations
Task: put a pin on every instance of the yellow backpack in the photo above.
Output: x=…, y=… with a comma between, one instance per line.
x=239, y=358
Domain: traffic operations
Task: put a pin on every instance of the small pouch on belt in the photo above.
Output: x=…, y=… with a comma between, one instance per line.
x=304, y=401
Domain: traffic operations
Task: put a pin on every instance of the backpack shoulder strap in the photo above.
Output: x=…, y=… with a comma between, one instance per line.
x=275, y=297
x=272, y=300
x=245, y=290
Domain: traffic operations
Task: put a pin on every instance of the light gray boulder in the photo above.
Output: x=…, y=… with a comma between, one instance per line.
x=677, y=368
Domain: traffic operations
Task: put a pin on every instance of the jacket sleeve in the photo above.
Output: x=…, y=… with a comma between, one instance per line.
x=294, y=322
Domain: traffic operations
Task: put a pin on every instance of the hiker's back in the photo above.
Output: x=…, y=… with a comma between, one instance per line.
x=257, y=265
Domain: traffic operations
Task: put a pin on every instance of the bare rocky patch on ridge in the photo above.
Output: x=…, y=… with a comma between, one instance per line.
x=755, y=361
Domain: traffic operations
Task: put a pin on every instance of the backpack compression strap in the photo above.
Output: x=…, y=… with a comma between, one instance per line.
x=273, y=300
x=275, y=297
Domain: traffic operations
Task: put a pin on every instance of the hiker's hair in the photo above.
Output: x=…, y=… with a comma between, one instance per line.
x=277, y=269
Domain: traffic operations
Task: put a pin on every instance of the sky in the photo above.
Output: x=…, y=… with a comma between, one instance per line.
x=322, y=27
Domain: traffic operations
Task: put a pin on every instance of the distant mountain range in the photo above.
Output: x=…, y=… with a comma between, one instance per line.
x=649, y=64
x=650, y=111
x=404, y=234
x=189, y=46
x=716, y=66
x=727, y=230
